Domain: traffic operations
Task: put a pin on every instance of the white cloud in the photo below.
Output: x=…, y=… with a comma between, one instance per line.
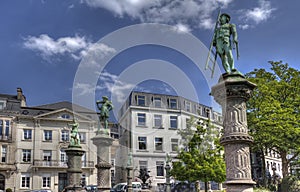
x=112, y=84
x=195, y=13
x=244, y=27
x=76, y=47
x=182, y=28
x=260, y=13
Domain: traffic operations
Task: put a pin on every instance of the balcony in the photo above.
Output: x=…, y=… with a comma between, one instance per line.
x=5, y=138
x=60, y=164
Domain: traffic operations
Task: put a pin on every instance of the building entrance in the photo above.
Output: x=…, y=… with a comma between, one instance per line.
x=62, y=181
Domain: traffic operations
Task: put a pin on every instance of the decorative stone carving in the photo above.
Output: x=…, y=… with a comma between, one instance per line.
x=232, y=92
x=103, y=143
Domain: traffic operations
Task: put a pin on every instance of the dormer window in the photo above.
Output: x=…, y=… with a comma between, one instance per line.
x=2, y=104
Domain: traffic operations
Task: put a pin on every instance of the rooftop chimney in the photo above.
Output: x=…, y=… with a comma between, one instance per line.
x=21, y=97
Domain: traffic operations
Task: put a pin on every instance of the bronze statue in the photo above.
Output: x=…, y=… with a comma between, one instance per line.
x=105, y=106
x=222, y=41
x=74, y=139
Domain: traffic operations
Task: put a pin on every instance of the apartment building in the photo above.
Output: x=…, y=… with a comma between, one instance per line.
x=33, y=142
x=149, y=125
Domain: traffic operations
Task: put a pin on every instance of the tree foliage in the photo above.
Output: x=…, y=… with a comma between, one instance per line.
x=200, y=158
x=273, y=111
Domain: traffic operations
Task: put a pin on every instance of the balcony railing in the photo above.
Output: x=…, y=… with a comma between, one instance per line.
x=7, y=138
x=62, y=164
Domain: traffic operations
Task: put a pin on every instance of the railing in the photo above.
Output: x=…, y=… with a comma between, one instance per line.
x=62, y=164
x=7, y=138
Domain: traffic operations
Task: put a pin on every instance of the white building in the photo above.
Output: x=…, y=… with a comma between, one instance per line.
x=149, y=125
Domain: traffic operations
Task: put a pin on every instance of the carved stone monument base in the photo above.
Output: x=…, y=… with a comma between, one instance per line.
x=232, y=92
x=103, y=142
x=74, y=170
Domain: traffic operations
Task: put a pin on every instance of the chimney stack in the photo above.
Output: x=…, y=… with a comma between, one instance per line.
x=21, y=97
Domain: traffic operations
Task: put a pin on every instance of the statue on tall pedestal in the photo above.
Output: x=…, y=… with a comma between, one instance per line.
x=104, y=106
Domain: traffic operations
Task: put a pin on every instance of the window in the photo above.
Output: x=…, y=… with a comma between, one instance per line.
x=157, y=102
x=63, y=157
x=143, y=165
x=7, y=127
x=26, y=155
x=141, y=100
x=157, y=120
x=83, y=160
x=142, y=143
x=47, y=135
x=174, y=145
x=3, y=153
x=47, y=155
x=1, y=127
x=158, y=143
x=2, y=105
x=173, y=122
x=141, y=119
x=27, y=134
x=25, y=181
x=206, y=112
x=82, y=137
x=188, y=106
x=159, y=168
x=46, y=181
x=64, y=135
x=65, y=116
x=173, y=103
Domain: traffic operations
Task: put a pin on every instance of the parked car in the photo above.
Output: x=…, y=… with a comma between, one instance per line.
x=122, y=187
x=91, y=188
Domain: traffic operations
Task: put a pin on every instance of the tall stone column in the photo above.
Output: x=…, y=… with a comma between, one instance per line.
x=103, y=143
x=232, y=92
x=74, y=170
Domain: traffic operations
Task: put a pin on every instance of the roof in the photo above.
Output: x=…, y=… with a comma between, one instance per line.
x=65, y=104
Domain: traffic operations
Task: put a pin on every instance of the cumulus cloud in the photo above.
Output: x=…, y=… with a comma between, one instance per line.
x=75, y=47
x=260, y=13
x=111, y=83
x=195, y=13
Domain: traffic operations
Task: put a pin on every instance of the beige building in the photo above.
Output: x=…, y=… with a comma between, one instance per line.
x=33, y=142
x=149, y=125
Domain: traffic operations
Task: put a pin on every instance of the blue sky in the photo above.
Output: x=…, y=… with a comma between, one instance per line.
x=45, y=43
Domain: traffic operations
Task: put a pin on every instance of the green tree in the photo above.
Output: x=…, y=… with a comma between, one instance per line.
x=200, y=158
x=273, y=111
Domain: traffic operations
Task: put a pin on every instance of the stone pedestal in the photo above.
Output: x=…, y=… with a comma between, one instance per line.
x=232, y=92
x=103, y=142
x=168, y=183
x=129, y=178
x=74, y=170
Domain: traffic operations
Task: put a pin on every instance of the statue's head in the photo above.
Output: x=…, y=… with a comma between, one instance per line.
x=105, y=98
x=225, y=16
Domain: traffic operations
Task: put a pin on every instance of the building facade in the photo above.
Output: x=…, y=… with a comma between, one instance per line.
x=33, y=142
x=149, y=125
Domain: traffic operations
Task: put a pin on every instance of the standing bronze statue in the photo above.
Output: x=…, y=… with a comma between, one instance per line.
x=105, y=106
x=224, y=34
x=74, y=139
x=223, y=44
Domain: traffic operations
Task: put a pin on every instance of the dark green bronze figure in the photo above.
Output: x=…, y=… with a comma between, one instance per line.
x=104, y=106
x=223, y=44
x=74, y=139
